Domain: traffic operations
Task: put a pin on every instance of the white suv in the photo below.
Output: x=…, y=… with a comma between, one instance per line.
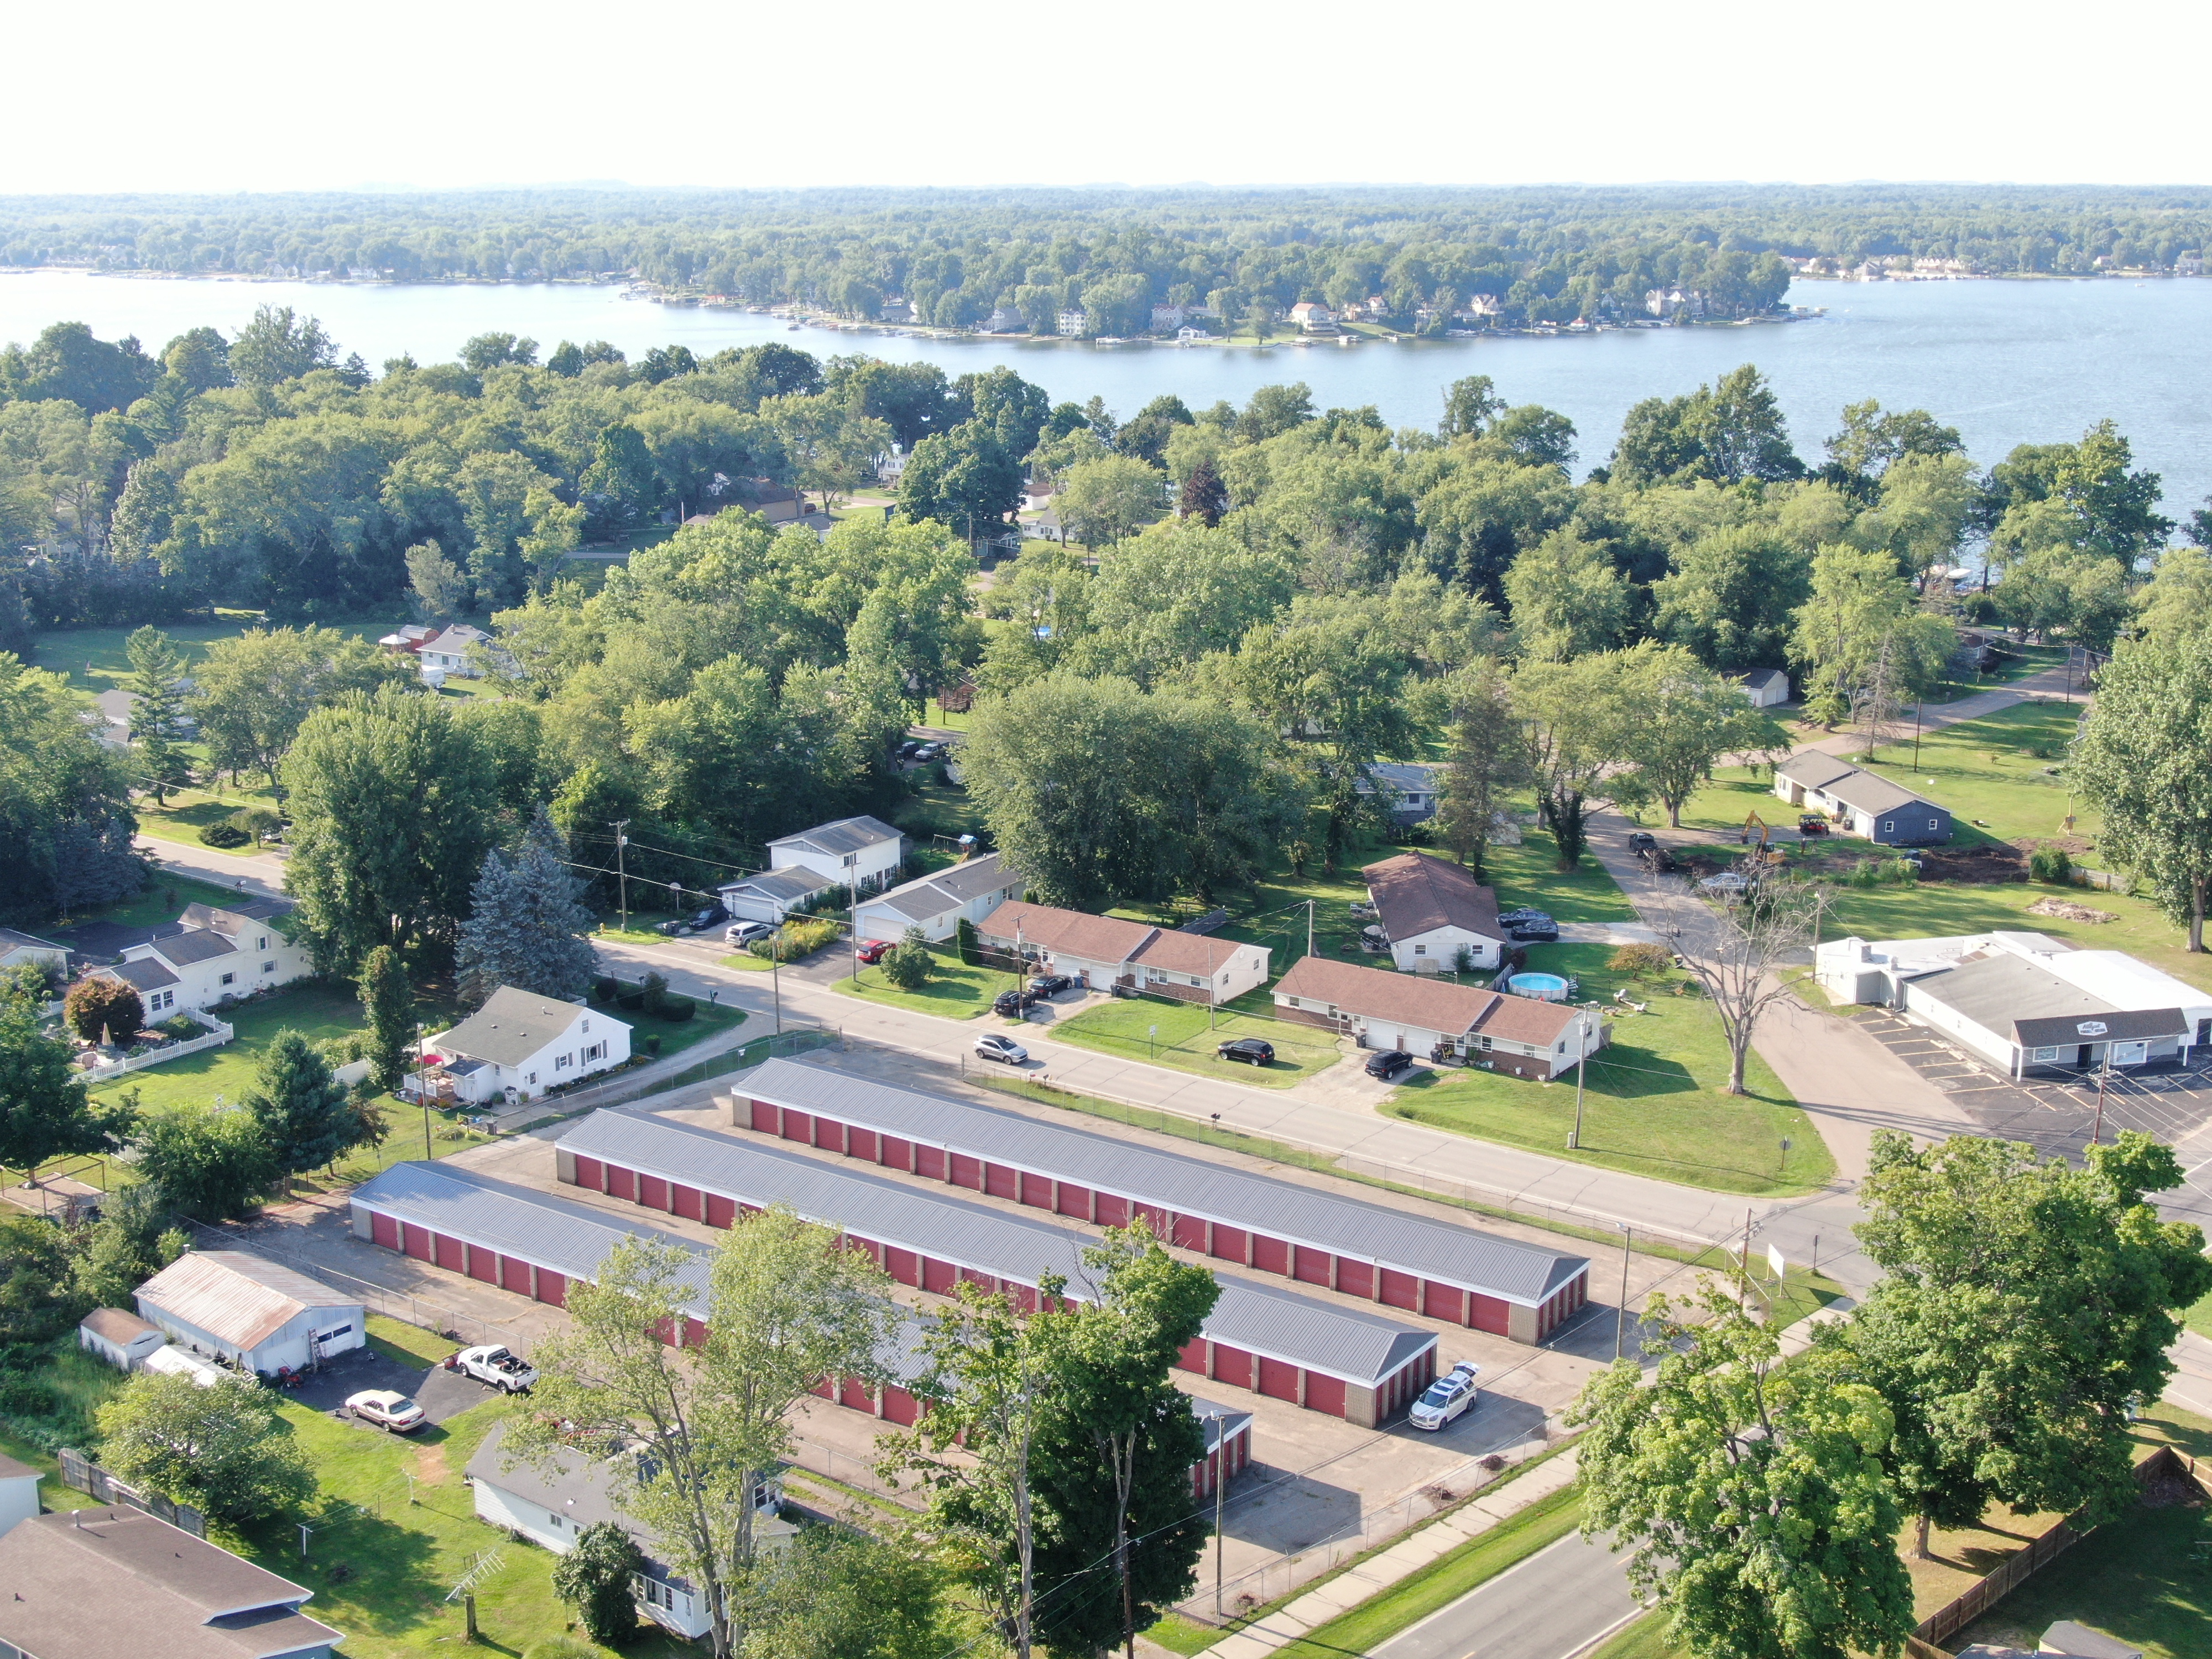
x=1446, y=1398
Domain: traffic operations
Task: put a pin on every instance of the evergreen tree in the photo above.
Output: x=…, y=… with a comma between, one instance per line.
x=157, y=677
x=526, y=927
x=302, y=1110
x=389, y=997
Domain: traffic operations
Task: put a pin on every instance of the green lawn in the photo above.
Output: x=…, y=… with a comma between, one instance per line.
x=317, y=1009
x=954, y=990
x=2003, y=775
x=94, y=660
x=707, y=1019
x=164, y=899
x=408, y=1345
x=1644, y=1639
x=1653, y=1102
x=937, y=810
x=1183, y=1041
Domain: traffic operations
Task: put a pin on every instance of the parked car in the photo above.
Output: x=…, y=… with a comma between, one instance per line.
x=873, y=951
x=1251, y=1050
x=1642, y=842
x=929, y=751
x=389, y=1409
x=1388, y=1064
x=1012, y=1005
x=698, y=922
x=1004, y=1049
x=1521, y=917
x=494, y=1366
x=1545, y=932
x=1658, y=861
x=1449, y=1397
x=1050, y=985
x=745, y=933
x=906, y=750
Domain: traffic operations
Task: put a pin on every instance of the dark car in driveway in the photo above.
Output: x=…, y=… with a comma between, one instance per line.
x=1012, y=1005
x=1641, y=842
x=698, y=922
x=1388, y=1064
x=1250, y=1050
x=1545, y=932
x=1050, y=985
x=1521, y=917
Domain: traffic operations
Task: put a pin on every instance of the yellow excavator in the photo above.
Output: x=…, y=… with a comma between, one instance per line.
x=1761, y=854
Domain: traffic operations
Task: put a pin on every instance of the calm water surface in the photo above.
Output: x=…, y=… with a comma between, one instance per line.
x=2005, y=362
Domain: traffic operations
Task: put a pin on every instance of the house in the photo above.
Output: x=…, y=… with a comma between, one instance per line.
x=861, y=852
x=448, y=650
x=212, y=956
x=105, y=1583
x=19, y=950
x=1435, y=1020
x=18, y=1493
x=1004, y=319
x=122, y=1340
x=2026, y=1002
x=110, y=718
x=938, y=904
x=1312, y=318
x=774, y=895
x=1036, y=497
x=1411, y=789
x=1861, y=802
x=524, y=1043
x=1429, y=908
x=249, y=1312
x=409, y=640
x=1167, y=318
x=1764, y=688
x=1072, y=323
x=550, y=1505
x=1106, y=950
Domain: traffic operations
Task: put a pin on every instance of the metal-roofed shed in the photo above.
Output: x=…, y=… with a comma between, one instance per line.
x=250, y=1312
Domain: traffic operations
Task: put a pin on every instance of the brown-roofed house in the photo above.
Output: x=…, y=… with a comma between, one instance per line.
x=1434, y=1019
x=119, y=1584
x=1429, y=908
x=249, y=1311
x=1106, y=950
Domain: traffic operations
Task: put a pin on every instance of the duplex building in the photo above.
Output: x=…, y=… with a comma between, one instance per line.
x=860, y=853
x=1104, y=951
x=250, y=1312
x=1430, y=909
x=524, y=1041
x=1432, y=1019
x=1861, y=802
x=938, y=903
x=211, y=956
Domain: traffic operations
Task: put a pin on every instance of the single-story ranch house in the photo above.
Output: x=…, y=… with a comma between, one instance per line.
x=1428, y=907
x=1433, y=1019
x=2026, y=1002
x=1106, y=950
x=938, y=904
x=861, y=852
x=1411, y=789
x=526, y=1042
x=1861, y=802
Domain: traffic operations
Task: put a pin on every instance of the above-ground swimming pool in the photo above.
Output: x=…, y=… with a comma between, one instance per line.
x=1545, y=987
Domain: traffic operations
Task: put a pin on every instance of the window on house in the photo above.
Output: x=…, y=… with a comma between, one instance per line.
x=1889, y=826
x=2047, y=1054
x=229, y=979
x=1197, y=981
x=268, y=966
x=597, y=1051
x=1563, y=1045
x=1420, y=949
x=588, y=1026
x=563, y=1062
x=261, y=944
x=1935, y=824
x=531, y=1079
x=554, y=1520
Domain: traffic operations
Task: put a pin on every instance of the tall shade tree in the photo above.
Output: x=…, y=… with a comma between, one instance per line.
x=46, y=1112
x=1682, y=718
x=843, y=1594
x=2024, y=1304
x=392, y=818
x=1486, y=758
x=66, y=827
x=1105, y=500
x=157, y=682
x=223, y=1448
x=211, y=1162
x=1575, y=718
x=2144, y=760
x=254, y=692
x=785, y=1306
x=387, y=998
x=1862, y=612
x=1750, y=1494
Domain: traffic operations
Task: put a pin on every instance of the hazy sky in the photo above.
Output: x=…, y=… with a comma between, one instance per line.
x=249, y=95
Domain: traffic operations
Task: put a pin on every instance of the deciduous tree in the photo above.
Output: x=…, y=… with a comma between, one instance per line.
x=213, y=1162
x=45, y=1110
x=223, y=1449
x=595, y=1578
x=1681, y=718
x=387, y=997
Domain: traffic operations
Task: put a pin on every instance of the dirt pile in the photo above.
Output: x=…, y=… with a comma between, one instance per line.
x=2067, y=910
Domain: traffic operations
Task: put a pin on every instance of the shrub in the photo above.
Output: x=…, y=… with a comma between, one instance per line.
x=1867, y=872
x=224, y=833
x=653, y=993
x=603, y=988
x=96, y=1004
x=1643, y=961
x=255, y=821
x=676, y=1009
x=909, y=966
x=652, y=1041
x=964, y=934
x=594, y=1578
x=1898, y=872
x=2051, y=863
x=183, y=1027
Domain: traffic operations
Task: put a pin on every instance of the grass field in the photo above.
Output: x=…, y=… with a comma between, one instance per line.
x=954, y=990
x=94, y=659
x=164, y=899
x=1644, y=1639
x=317, y=1009
x=708, y=1019
x=1183, y=1041
x=1653, y=1105
x=2003, y=776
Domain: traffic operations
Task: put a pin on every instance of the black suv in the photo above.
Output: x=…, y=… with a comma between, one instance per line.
x=1521, y=917
x=698, y=922
x=1012, y=1005
x=1388, y=1064
x=1642, y=842
x=1541, y=931
x=1251, y=1050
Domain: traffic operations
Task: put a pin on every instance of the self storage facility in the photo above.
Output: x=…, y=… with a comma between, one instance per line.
x=1436, y=1269
x=1274, y=1341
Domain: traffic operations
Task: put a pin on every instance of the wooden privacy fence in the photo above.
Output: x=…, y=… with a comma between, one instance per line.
x=2161, y=1466
x=86, y=1476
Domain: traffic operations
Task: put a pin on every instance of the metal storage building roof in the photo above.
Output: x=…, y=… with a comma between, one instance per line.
x=236, y=1297
x=1440, y=1250
x=1282, y=1324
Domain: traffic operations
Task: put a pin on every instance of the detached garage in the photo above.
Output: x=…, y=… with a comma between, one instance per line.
x=249, y=1312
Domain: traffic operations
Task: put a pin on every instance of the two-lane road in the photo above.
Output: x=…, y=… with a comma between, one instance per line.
x=1555, y=1604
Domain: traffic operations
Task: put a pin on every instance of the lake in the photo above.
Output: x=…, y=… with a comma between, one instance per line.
x=2007, y=362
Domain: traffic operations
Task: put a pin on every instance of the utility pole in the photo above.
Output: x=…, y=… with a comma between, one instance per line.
x=1310, y=926
x=422, y=1090
x=1220, y=1485
x=1915, y=734
x=1581, y=1065
x=2097, y=1133
x=1620, y=1323
x=775, y=971
x=621, y=872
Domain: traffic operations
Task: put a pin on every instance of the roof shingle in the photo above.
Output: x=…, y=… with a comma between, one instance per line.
x=1416, y=893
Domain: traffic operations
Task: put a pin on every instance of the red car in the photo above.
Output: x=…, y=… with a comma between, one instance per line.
x=873, y=951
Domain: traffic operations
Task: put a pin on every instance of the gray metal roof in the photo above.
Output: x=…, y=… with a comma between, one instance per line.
x=933, y=895
x=1870, y=791
x=845, y=835
x=193, y=945
x=1406, y=777
x=1999, y=991
x=1442, y=1250
x=1813, y=768
x=1284, y=1325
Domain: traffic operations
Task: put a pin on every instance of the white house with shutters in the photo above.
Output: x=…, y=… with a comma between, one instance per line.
x=209, y=956
x=526, y=1042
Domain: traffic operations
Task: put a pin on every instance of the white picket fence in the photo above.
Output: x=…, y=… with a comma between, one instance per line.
x=214, y=1039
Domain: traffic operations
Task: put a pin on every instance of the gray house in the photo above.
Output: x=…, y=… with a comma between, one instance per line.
x=938, y=904
x=1411, y=789
x=775, y=894
x=1861, y=802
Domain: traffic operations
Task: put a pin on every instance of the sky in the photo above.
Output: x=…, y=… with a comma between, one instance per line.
x=252, y=95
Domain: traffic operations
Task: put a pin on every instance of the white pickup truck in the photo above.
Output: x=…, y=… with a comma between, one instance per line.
x=495, y=1366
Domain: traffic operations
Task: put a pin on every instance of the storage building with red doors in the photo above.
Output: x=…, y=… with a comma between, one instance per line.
x=1438, y=1269
x=1276, y=1341
x=1228, y=1445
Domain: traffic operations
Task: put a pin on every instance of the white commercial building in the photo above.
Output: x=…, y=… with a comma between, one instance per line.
x=249, y=1312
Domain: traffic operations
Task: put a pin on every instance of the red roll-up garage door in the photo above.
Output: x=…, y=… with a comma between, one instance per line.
x=1155, y=1218
x=451, y=1253
x=903, y=1266
x=853, y=1396
x=684, y=1201
x=621, y=1183
x=929, y=1161
x=652, y=1193
x=1233, y=1365
x=765, y=1117
x=1324, y=1393
x=1112, y=1212
x=936, y=1276
x=695, y=1333
x=830, y=1134
x=417, y=1241
x=895, y=1153
x=899, y=1406
x=384, y=1230
x=1400, y=1290
x=967, y=1171
x=1277, y=1381
x=483, y=1264
x=797, y=1125
x=721, y=1212
x=1440, y=1301
x=860, y=1143
x=1312, y=1266
x=1000, y=1181
x=514, y=1275
x=1037, y=1191
x=1270, y=1255
x=1355, y=1277
x=1193, y=1358
x=1491, y=1313
x=590, y=1172
x=1074, y=1201
x=1228, y=1242
x=1190, y=1233
x=552, y=1287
